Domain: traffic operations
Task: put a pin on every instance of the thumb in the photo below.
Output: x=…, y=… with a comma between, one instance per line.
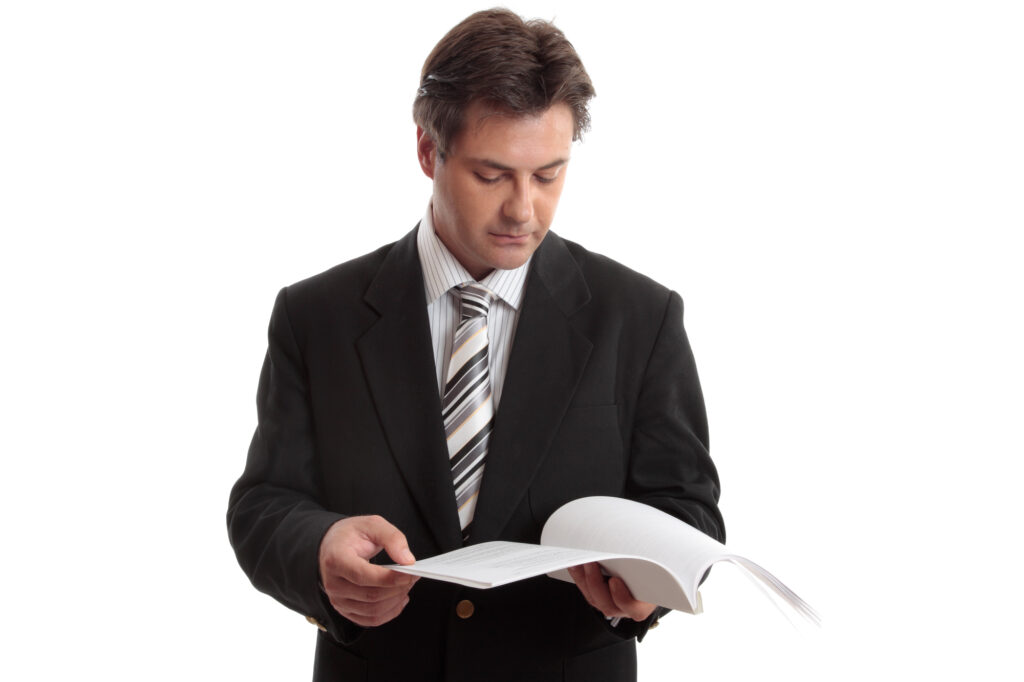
x=391, y=539
x=399, y=551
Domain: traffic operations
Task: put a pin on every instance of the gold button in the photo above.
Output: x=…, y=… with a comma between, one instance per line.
x=464, y=609
x=654, y=624
x=313, y=621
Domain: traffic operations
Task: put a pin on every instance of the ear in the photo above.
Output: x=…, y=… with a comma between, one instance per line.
x=426, y=150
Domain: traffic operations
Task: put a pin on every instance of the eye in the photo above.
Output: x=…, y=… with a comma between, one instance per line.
x=487, y=180
x=546, y=179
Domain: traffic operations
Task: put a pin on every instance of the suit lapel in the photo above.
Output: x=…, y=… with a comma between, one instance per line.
x=548, y=359
x=399, y=364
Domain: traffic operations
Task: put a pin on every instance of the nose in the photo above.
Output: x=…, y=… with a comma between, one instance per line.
x=518, y=207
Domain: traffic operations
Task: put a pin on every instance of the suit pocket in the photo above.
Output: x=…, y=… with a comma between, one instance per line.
x=586, y=458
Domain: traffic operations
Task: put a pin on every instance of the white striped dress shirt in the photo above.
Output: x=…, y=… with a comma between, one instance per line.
x=442, y=272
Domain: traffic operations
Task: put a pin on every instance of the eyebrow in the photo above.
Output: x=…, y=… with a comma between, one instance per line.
x=502, y=167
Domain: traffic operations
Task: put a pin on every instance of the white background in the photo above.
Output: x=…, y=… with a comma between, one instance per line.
x=835, y=188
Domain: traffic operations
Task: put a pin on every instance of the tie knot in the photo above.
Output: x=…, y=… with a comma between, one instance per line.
x=476, y=300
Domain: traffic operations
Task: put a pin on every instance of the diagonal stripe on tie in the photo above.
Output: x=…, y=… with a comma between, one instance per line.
x=467, y=407
x=469, y=393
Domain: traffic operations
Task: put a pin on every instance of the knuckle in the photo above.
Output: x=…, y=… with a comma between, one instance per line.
x=359, y=620
x=331, y=561
x=353, y=574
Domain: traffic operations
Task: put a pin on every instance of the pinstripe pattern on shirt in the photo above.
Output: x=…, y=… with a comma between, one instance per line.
x=441, y=272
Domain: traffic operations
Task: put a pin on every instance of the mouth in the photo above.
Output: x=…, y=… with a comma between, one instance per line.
x=510, y=238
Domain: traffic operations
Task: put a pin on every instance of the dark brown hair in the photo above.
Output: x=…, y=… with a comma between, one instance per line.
x=516, y=66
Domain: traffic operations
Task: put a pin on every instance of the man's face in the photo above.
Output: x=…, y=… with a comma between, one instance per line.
x=496, y=190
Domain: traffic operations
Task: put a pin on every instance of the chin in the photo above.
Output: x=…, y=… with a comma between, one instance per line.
x=511, y=261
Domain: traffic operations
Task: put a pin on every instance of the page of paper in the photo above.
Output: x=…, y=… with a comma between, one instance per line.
x=774, y=590
x=615, y=525
x=491, y=564
x=660, y=558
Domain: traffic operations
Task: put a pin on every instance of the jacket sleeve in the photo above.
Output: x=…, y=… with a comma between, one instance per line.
x=670, y=467
x=275, y=518
x=669, y=464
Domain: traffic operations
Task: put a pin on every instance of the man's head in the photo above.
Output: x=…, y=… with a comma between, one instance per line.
x=519, y=67
x=500, y=102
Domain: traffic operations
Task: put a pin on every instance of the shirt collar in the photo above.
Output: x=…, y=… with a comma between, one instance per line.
x=442, y=271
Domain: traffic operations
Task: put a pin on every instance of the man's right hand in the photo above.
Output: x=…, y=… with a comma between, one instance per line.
x=362, y=592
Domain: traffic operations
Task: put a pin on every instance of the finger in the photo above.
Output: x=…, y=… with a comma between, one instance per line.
x=361, y=572
x=369, y=609
x=372, y=617
x=626, y=603
x=345, y=590
x=361, y=608
x=579, y=577
x=385, y=535
x=350, y=543
x=600, y=597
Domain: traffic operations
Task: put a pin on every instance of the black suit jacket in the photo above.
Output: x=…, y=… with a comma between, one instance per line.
x=601, y=397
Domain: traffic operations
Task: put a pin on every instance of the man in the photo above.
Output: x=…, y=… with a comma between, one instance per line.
x=460, y=385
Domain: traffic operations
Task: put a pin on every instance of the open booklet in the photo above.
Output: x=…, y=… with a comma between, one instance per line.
x=660, y=558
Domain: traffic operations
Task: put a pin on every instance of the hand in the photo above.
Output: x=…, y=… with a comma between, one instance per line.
x=609, y=596
x=366, y=594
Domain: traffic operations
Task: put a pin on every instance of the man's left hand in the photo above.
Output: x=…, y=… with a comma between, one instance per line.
x=610, y=596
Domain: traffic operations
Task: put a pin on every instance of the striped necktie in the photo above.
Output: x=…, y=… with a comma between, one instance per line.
x=467, y=408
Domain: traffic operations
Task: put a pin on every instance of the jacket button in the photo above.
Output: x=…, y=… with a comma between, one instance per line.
x=464, y=609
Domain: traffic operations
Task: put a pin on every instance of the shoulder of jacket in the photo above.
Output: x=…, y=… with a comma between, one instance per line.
x=348, y=278
x=605, y=275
